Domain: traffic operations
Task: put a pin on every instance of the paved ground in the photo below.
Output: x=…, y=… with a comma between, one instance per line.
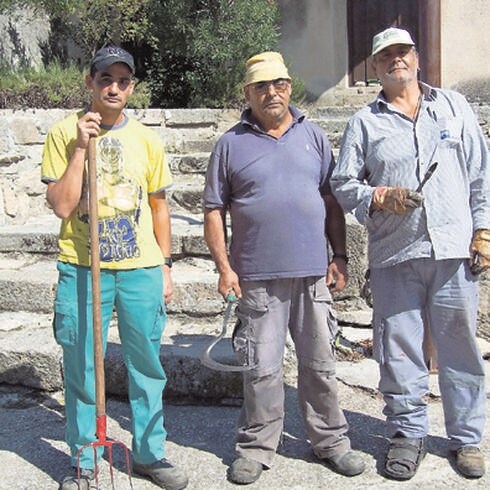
x=33, y=454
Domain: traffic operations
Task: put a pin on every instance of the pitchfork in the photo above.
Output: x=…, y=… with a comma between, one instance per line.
x=101, y=419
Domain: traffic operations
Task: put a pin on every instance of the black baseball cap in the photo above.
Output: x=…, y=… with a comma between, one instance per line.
x=109, y=55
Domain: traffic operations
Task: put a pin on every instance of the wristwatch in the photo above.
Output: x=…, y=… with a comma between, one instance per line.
x=341, y=256
x=168, y=261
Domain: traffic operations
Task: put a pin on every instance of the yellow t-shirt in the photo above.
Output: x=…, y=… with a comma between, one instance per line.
x=131, y=163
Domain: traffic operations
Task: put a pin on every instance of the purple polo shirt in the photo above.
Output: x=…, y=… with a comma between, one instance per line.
x=273, y=190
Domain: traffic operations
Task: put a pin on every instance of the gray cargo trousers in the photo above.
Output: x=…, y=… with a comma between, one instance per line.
x=266, y=311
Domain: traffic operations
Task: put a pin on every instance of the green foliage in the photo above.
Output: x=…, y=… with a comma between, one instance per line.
x=200, y=47
x=55, y=86
x=141, y=97
x=188, y=53
x=100, y=22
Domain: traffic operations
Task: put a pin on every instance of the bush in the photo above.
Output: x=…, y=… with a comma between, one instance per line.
x=200, y=46
x=188, y=53
x=56, y=86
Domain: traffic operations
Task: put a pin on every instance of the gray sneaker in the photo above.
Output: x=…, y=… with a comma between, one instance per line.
x=163, y=473
x=245, y=471
x=349, y=463
x=71, y=482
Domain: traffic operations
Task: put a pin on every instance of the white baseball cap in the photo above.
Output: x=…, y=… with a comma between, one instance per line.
x=389, y=37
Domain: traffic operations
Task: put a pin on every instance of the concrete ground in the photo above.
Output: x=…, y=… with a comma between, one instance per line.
x=33, y=454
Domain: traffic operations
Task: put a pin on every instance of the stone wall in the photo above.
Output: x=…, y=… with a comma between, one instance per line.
x=22, y=135
x=189, y=135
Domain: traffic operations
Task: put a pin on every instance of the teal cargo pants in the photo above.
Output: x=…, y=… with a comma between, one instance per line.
x=137, y=297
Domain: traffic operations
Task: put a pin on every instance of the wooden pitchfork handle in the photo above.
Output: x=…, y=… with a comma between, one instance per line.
x=96, y=308
x=100, y=419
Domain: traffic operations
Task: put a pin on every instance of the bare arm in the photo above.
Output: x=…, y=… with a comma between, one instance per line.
x=160, y=214
x=214, y=234
x=64, y=194
x=336, y=234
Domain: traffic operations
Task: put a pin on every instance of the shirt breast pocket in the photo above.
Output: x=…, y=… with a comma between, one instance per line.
x=450, y=130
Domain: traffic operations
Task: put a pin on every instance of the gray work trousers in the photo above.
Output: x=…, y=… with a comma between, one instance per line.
x=443, y=295
x=266, y=311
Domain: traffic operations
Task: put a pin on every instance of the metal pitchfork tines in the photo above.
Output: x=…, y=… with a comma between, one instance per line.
x=206, y=358
x=101, y=419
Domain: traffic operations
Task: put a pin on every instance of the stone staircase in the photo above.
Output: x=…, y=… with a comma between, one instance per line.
x=29, y=355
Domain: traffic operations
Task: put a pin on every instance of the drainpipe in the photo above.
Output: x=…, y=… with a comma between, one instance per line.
x=430, y=41
x=430, y=72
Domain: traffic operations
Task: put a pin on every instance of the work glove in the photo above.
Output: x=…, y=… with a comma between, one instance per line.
x=480, y=252
x=397, y=200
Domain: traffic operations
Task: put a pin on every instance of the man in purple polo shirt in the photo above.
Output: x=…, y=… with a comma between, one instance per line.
x=271, y=172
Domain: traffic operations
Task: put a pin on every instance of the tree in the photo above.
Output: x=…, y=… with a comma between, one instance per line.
x=190, y=52
x=201, y=47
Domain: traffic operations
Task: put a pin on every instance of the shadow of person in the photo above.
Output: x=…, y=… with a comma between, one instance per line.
x=198, y=416
x=32, y=427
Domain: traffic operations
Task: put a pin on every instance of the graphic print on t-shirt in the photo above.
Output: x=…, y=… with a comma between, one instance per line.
x=119, y=198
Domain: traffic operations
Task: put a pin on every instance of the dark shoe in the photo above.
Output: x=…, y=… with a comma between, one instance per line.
x=245, y=471
x=349, y=463
x=163, y=473
x=404, y=456
x=71, y=482
x=470, y=462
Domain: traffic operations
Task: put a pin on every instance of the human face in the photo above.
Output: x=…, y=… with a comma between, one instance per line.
x=269, y=100
x=397, y=64
x=110, y=88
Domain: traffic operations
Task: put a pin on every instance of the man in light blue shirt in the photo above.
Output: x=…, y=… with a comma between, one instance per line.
x=413, y=167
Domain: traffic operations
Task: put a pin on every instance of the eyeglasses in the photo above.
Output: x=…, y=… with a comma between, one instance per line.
x=280, y=85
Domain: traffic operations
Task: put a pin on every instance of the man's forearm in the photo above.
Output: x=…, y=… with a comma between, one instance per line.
x=214, y=234
x=335, y=228
x=64, y=195
x=161, y=222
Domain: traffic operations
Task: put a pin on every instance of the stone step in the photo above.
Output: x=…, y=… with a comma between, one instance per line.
x=186, y=195
x=31, y=357
x=39, y=236
x=29, y=284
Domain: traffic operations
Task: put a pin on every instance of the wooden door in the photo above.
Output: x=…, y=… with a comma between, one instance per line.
x=365, y=18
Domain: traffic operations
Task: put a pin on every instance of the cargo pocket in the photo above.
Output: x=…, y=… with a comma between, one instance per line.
x=250, y=308
x=243, y=344
x=322, y=294
x=64, y=325
x=159, y=322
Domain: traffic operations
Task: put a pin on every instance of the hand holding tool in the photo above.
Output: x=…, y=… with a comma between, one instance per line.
x=206, y=358
x=397, y=200
x=480, y=252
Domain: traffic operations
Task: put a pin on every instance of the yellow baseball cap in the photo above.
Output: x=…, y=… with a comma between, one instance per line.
x=264, y=67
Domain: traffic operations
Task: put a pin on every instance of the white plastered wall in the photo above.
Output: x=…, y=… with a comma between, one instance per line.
x=465, y=41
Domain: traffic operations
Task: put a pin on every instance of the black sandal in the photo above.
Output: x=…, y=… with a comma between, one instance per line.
x=404, y=456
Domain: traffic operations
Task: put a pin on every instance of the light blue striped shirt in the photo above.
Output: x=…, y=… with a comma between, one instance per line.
x=382, y=146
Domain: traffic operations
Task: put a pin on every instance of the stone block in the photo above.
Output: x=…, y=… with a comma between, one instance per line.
x=148, y=117
x=25, y=131
x=191, y=117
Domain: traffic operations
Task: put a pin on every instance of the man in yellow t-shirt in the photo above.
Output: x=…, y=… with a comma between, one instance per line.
x=134, y=249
